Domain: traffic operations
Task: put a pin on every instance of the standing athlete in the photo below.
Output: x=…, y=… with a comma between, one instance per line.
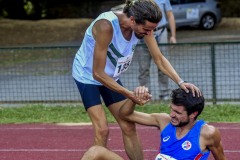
x=106, y=52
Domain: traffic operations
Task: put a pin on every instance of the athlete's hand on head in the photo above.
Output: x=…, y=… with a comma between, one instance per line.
x=142, y=94
x=195, y=90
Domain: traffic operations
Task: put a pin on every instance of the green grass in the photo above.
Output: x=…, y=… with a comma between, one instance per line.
x=76, y=114
x=36, y=61
x=12, y=57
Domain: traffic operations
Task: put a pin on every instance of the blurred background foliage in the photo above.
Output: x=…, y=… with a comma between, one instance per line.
x=52, y=9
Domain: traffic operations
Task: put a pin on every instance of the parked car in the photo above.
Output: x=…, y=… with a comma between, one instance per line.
x=201, y=13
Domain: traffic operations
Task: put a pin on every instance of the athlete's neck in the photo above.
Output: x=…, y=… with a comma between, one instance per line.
x=125, y=25
x=183, y=130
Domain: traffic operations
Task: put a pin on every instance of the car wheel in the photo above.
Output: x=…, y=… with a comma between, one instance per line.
x=208, y=22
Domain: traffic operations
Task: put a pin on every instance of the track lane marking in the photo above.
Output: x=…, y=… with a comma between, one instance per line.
x=84, y=150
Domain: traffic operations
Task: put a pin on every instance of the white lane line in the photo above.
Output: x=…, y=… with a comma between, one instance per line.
x=65, y=128
x=83, y=150
x=57, y=150
x=112, y=128
x=236, y=128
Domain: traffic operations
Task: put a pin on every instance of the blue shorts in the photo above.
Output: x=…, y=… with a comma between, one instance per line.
x=91, y=93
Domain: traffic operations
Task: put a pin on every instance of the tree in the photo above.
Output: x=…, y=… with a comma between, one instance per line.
x=22, y=9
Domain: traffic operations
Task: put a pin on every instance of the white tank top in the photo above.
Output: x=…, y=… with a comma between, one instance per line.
x=119, y=53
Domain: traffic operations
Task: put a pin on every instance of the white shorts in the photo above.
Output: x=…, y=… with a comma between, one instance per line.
x=164, y=157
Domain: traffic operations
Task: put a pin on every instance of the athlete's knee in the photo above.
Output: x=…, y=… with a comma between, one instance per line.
x=102, y=135
x=103, y=131
x=128, y=128
x=89, y=154
x=94, y=152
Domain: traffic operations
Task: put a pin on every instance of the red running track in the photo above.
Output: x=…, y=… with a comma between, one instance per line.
x=61, y=142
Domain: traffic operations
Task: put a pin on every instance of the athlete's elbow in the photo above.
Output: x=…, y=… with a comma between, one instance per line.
x=97, y=75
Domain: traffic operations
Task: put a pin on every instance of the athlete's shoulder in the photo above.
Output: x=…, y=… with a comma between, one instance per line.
x=210, y=133
x=163, y=119
x=102, y=29
x=103, y=21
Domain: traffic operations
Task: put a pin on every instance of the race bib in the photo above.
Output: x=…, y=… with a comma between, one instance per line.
x=164, y=157
x=122, y=65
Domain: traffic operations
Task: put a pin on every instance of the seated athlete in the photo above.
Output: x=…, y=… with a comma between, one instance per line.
x=183, y=137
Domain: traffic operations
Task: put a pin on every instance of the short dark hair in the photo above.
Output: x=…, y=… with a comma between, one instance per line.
x=143, y=10
x=192, y=104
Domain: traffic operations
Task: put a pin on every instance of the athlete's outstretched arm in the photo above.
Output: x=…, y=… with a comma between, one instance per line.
x=164, y=65
x=128, y=113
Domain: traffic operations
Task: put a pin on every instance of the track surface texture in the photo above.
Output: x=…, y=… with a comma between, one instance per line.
x=69, y=142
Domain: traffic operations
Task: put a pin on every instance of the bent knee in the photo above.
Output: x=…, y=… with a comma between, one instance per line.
x=128, y=127
x=103, y=131
x=101, y=135
x=95, y=149
x=94, y=152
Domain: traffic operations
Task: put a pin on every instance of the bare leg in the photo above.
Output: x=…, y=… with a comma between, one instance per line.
x=99, y=122
x=131, y=140
x=100, y=153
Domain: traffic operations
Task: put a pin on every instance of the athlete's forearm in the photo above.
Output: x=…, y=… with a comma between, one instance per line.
x=112, y=84
x=168, y=69
x=162, y=63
